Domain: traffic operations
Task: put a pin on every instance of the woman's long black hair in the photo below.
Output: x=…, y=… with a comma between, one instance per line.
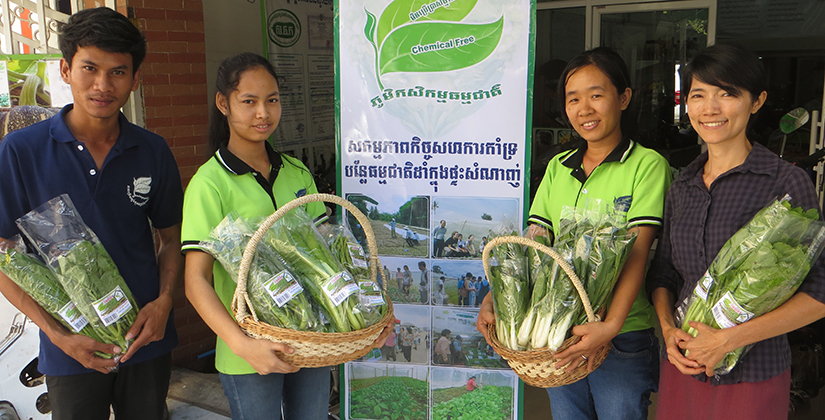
x=229, y=75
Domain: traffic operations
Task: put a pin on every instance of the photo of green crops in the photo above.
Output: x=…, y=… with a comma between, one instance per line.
x=472, y=394
x=388, y=392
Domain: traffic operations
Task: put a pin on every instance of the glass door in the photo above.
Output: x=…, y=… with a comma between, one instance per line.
x=655, y=39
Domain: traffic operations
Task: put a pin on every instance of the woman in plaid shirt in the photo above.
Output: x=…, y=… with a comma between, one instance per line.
x=715, y=196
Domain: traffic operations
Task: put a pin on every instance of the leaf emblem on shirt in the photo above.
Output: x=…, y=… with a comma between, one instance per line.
x=142, y=185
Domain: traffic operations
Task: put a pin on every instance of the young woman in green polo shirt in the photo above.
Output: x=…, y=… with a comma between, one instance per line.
x=245, y=175
x=621, y=173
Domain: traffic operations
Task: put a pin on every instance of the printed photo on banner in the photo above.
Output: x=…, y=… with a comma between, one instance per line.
x=400, y=223
x=409, y=279
x=410, y=340
x=458, y=343
x=462, y=226
x=381, y=391
x=458, y=282
x=473, y=394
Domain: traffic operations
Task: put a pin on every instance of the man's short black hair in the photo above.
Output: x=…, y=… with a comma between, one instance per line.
x=103, y=28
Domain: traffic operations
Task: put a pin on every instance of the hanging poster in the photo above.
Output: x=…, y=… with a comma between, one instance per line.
x=432, y=110
x=299, y=43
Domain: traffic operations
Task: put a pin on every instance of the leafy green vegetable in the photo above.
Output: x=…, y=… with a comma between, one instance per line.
x=295, y=239
x=34, y=278
x=489, y=402
x=389, y=398
x=510, y=286
x=758, y=269
x=276, y=297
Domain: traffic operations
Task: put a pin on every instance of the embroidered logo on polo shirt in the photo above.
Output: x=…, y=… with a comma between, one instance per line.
x=622, y=204
x=139, y=191
x=302, y=192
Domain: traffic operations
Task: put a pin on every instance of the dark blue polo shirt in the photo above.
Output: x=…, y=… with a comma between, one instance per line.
x=138, y=187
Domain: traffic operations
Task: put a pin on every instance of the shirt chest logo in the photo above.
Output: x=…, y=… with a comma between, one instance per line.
x=622, y=204
x=138, y=193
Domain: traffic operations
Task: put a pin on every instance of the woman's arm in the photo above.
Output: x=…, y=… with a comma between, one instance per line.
x=260, y=354
x=597, y=334
x=711, y=345
x=664, y=303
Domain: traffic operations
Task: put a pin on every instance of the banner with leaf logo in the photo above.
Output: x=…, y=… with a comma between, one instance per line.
x=433, y=116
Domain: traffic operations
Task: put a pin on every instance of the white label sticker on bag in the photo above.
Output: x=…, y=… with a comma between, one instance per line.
x=339, y=287
x=703, y=287
x=73, y=317
x=359, y=259
x=112, y=307
x=282, y=288
x=371, y=294
x=729, y=313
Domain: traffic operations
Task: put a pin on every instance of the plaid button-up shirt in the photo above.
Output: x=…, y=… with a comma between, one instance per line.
x=699, y=220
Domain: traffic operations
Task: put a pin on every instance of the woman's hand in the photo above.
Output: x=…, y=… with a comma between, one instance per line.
x=709, y=346
x=675, y=338
x=385, y=333
x=486, y=317
x=594, y=336
x=260, y=354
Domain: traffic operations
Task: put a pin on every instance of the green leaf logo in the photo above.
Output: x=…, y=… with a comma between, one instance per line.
x=427, y=36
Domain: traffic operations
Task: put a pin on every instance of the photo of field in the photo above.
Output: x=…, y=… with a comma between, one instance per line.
x=489, y=396
x=400, y=223
x=379, y=391
x=466, y=345
x=413, y=322
x=452, y=272
x=469, y=221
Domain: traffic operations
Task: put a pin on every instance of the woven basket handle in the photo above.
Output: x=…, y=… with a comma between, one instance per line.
x=485, y=258
x=240, y=301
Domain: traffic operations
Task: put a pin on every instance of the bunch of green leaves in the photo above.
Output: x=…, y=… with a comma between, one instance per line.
x=93, y=282
x=489, y=402
x=268, y=277
x=510, y=287
x=296, y=240
x=351, y=255
x=40, y=283
x=595, y=243
x=391, y=398
x=759, y=268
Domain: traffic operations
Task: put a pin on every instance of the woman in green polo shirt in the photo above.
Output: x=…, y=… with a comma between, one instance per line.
x=247, y=176
x=616, y=170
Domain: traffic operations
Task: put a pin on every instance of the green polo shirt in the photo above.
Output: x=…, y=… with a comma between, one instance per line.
x=631, y=177
x=225, y=184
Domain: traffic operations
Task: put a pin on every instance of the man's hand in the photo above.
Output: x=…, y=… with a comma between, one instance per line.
x=149, y=326
x=82, y=349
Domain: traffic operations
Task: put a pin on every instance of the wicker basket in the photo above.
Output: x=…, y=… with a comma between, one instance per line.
x=312, y=349
x=537, y=367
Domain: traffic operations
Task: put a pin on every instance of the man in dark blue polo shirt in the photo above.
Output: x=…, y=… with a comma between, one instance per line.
x=126, y=186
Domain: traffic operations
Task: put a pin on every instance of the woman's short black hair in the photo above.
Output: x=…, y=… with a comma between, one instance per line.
x=729, y=67
x=613, y=66
x=103, y=28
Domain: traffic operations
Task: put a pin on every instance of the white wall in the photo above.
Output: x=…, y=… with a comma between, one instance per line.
x=231, y=27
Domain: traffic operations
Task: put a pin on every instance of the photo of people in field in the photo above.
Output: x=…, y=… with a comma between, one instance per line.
x=410, y=340
x=458, y=343
x=458, y=282
x=409, y=279
x=461, y=226
x=400, y=223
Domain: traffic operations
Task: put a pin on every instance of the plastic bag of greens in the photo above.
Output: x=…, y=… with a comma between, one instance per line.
x=83, y=267
x=295, y=238
x=759, y=268
x=34, y=278
x=510, y=287
x=346, y=249
x=276, y=296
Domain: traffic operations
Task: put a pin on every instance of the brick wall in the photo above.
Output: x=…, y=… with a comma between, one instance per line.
x=175, y=103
